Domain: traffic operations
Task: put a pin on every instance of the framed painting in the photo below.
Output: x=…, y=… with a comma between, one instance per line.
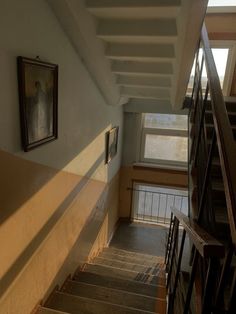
x=111, y=144
x=38, y=96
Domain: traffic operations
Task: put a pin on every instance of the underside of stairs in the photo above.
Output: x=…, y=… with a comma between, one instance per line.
x=116, y=281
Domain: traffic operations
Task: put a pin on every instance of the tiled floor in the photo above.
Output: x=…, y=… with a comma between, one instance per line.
x=142, y=238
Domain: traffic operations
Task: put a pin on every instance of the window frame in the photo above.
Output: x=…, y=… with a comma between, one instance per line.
x=165, y=132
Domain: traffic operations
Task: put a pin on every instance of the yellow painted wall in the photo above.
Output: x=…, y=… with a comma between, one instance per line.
x=131, y=174
x=221, y=26
x=53, y=222
x=58, y=202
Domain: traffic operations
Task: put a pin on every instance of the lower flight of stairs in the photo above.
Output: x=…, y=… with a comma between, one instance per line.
x=116, y=281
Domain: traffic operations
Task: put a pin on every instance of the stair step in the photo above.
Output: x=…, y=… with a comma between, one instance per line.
x=121, y=252
x=128, y=259
x=130, y=266
x=80, y=305
x=125, y=274
x=121, y=284
x=45, y=310
x=114, y=296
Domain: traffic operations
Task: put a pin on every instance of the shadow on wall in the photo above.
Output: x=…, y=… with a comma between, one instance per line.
x=24, y=181
x=57, y=213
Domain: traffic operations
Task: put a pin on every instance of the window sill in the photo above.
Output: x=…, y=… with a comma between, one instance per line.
x=161, y=166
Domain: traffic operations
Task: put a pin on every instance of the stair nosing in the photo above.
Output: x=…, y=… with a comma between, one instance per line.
x=108, y=259
x=103, y=302
x=114, y=289
x=130, y=280
x=133, y=271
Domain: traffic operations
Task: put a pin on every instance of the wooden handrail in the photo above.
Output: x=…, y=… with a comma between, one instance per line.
x=205, y=244
x=224, y=134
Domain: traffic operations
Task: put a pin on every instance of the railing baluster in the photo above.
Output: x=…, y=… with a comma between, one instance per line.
x=191, y=282
x=169, y=237
x=176, y=229
x=173, y=292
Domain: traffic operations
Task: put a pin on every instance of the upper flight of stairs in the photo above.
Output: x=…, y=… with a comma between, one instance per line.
x=220, y=221
x=116, y=281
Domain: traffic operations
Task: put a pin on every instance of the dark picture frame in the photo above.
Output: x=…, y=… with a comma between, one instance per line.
x=111, y=144
x=38, y=98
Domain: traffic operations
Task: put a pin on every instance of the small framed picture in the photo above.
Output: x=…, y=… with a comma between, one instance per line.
x=111, y=144
x=38, y=96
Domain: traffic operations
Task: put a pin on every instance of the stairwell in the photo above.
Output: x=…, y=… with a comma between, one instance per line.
x=115, y=281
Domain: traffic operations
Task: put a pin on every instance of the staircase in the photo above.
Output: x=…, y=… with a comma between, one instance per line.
x=116, y=281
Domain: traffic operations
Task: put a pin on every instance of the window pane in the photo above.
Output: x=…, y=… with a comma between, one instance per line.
x=172, y=148
x=165, y=121
x=216, y=3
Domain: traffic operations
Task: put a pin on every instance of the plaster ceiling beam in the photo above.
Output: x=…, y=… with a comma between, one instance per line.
x=138, y=52
x=151, y=106
x=153, y=82
x=149, y=68
x=79, y=26
x=123, y=29
x=189, y=24
x=133, y=9
x=143, y=92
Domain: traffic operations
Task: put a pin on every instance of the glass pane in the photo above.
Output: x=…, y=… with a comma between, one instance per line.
x=221, y=3
x=220, y=57
x=165, y=121
x=172, y=148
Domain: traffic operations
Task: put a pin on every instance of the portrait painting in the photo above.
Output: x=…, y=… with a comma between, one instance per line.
x=38, y=89
x=111, y=144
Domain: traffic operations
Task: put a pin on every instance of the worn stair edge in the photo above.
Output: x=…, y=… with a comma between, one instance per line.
x=74, y=305
x=125, y=274
x=153, y=270
x=120, y=284
x=123, y=258
x=114, y=296
x=45, y=310
x=130, y=253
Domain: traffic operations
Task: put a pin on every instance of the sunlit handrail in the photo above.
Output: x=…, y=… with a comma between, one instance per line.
x=224, y=135
x=206, y=245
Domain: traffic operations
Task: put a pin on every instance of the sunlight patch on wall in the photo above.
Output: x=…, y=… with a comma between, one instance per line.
x=90, y=162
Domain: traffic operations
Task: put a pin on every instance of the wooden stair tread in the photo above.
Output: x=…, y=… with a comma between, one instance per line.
x=80, y=305
x=128, y=259
x=114, y=296
x=45, y=310
x=131, y=253
x=126, y=274
x=154, y=270
x=121, y=284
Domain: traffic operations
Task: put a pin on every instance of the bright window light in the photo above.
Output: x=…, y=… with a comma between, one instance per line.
x=221, y=3
x=166, y=121
x=173, y=148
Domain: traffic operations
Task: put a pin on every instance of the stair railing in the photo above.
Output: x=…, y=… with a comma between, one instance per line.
x=205, y=142
x=202, y=149
x=206, y=248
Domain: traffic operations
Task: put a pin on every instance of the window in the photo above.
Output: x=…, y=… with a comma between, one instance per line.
x=164, y=139
x=221, y=3
x=224, y=54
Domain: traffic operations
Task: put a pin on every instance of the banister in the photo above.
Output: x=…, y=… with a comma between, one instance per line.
x=224, y=134
x=205, y=244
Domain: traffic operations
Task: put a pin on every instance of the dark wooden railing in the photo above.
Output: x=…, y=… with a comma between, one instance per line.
x=212, y=190
x=206, y=248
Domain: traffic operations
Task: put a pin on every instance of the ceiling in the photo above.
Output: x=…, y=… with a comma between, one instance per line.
x=139, y=52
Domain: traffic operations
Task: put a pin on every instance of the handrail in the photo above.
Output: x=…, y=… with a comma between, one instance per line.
x=206, y=245
x=224, y=135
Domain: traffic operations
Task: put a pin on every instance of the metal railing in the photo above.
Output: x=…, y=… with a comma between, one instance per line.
x=155, y=207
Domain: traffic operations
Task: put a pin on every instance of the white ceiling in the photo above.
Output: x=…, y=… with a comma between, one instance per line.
x=135, y=50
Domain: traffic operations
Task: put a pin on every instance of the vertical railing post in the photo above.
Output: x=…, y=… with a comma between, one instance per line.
x=174, y=247
x=173, y=291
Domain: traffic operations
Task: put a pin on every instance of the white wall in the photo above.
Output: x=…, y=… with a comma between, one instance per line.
x=52, y=209
x=29, y=28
